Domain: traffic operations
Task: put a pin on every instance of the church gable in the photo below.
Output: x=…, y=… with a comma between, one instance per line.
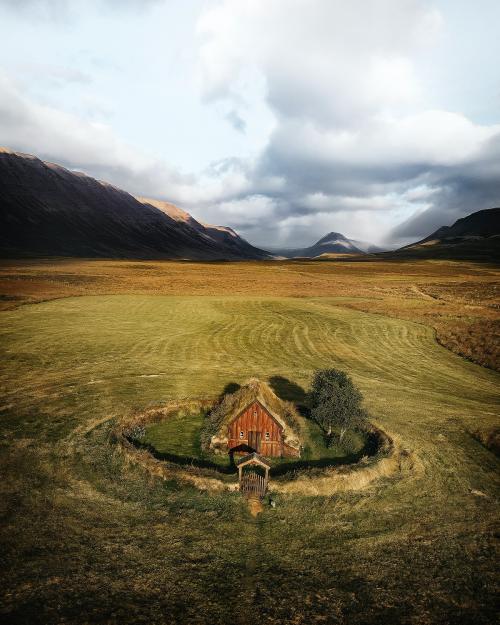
x=254, y=427
x=254, y=419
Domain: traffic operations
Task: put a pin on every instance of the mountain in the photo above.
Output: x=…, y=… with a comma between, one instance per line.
x=475, y=237
x=223, y=235
x=332, y=243
x=481, y=224
x=47, y=210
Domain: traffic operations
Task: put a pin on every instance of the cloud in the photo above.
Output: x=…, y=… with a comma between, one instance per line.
x=22, y=5
x=236, y=121
x=249, y=211
x=61, y=10
x=458, y=191
x=357, y=144
x=55, y=75
x=53, y=134
x=324, y=60
x=357, y=132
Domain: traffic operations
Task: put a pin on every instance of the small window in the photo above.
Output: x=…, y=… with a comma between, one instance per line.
x=255, y=413
x=268, y=436
x=242, y=434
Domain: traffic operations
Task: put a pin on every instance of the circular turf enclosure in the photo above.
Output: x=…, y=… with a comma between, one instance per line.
x=167, y=441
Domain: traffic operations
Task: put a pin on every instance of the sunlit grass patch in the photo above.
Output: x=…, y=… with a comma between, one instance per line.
x=179, y=434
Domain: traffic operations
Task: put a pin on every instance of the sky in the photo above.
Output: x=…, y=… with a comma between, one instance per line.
x=284, y=119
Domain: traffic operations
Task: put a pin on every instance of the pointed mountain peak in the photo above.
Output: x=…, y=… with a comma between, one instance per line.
x=332, y=236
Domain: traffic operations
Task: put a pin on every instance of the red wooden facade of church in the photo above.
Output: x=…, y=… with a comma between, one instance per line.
x=257, y=429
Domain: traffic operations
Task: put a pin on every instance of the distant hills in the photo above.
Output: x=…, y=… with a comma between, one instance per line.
x=332, y=243
x=47, y=210
x=475, y=237
x=368, y=248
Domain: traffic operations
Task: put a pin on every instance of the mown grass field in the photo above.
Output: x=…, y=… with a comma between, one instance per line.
x=88, y=538
x=460, y=300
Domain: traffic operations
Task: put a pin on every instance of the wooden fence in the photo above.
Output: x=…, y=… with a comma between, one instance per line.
x=253, y=485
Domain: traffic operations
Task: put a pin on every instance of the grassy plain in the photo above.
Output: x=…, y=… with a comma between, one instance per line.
x=88, y=538
x=460, y=300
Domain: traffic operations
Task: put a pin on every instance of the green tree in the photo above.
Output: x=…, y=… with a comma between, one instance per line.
x=335, y=402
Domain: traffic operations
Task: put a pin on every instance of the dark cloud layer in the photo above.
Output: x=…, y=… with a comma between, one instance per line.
x=461, y=190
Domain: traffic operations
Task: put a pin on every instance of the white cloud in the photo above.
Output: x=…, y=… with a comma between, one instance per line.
x=329, y=61
x=337, y=126
x=356, y=127
x=55, y=75
x=248, y=212
x=337, y=203
x=68, y=139
x=58, y=9
x=431, y=137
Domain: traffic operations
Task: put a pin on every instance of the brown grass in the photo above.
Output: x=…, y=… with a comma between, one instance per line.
x=390, y=461
x=460, y=300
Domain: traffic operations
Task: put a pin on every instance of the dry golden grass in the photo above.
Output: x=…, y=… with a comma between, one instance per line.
x=460, y=300
x=391, y=461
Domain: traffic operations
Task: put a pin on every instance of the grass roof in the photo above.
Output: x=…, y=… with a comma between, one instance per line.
x=233, y=403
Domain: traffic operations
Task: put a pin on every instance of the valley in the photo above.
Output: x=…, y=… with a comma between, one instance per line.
x=249, y=312
x=87, y=342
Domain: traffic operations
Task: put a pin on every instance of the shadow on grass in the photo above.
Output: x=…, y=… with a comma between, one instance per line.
x=230, y=388
x=291, y=391
x=369, y=449
x=187, y=461
x=286, y=390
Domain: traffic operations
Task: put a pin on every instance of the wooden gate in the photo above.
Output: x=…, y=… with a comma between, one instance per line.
x=253, y=485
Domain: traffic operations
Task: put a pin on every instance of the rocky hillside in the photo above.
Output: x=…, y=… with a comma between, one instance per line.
x=223, y=235
x=476, y=236
x=47, y=210
x=481, y=224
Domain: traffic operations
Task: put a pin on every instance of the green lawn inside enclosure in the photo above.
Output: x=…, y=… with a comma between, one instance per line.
x=90, y=538
x=179, y=435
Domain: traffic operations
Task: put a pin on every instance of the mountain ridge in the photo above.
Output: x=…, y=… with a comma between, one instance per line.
x=48, y=210
x=473, y=237
x=483, y=223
